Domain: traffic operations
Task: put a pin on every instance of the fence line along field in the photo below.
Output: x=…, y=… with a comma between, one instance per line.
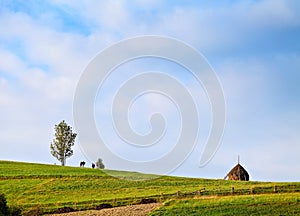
x=49, y=187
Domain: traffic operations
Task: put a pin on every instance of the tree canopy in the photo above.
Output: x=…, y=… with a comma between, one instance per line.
x=100, y=164
x=61, y=146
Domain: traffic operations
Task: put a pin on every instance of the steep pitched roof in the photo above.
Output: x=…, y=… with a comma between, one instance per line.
x=238, y=173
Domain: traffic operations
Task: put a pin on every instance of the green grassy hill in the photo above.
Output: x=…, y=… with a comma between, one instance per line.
x=261, y=204
x=49, y=187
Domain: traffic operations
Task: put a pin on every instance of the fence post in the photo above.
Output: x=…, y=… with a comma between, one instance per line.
x=161, y=196
x=201, y=190
x=275, y=188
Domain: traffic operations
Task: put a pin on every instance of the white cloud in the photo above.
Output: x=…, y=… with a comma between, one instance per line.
x=270, y=13
x=12, y=65
x=257, y=128
x=40, y=68
x=109, y=15
x=41, y=64
x=228, y=26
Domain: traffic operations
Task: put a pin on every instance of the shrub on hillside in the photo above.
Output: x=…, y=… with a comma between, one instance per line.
x=103, y=206
x=64, y=210
x=100, y=164
x=3, y=205
x=36, y=211
x=147, y=201
x=7, y=211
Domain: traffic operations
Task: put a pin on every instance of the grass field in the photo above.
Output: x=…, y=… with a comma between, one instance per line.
x=262, y=204
x=49, y=187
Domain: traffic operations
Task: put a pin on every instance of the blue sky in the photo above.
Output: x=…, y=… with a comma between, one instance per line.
x=253, y=46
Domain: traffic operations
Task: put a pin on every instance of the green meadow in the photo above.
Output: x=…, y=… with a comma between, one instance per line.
x=261, y=204
x=49, y=187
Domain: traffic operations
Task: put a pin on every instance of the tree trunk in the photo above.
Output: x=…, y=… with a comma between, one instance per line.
x=63, y=161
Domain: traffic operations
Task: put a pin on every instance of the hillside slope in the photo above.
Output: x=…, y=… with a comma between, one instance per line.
x=50, y=187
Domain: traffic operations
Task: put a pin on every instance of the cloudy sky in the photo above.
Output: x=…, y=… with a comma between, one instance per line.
x=253, y=46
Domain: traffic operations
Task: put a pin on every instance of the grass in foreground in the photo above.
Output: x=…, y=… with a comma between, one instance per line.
x=50, y=187
x=263, y=204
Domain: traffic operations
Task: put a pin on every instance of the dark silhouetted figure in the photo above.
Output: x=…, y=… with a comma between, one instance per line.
x=93, y=165
x=82, y=163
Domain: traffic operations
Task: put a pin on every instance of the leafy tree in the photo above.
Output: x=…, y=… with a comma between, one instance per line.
x=61, y=146
x=100, y=164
